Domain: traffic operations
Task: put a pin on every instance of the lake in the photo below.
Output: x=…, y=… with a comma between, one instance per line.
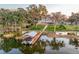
x=45, y=45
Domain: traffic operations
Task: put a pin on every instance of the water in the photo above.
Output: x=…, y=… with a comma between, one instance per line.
x=45, y=45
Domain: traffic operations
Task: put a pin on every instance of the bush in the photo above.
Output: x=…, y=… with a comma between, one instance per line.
x=70, y=33
x=40, y=27
x=61, y=27
x=50, y=28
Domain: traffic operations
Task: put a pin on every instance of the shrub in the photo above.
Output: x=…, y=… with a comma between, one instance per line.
x=61, y=27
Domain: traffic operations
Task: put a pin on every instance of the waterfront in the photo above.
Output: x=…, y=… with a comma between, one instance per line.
x=33, y=29
x=45, y=45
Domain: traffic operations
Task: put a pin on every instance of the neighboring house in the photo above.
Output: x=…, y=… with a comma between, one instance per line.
x=64, y=23
x=45, y=21
x=49, y=21
x=76, y=23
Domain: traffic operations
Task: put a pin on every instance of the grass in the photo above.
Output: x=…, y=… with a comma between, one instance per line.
x=40, y=27
x=72, y=27
x=58, y=27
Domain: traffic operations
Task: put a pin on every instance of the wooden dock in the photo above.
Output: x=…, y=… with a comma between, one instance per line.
x=37, y=36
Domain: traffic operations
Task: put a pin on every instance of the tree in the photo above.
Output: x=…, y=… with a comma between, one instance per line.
x=57, y=17
x=22, y=17
x=42, y=11
x=36, y=12
x=74, y=18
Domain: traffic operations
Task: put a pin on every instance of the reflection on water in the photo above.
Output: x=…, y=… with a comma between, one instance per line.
x=74, y=42
x=8, y=45
x=44, y=45
x=56, y=45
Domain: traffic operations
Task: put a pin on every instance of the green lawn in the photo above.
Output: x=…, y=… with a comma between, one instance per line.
x=58, y=27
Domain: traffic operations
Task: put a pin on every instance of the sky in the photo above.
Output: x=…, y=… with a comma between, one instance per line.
x=64, y=8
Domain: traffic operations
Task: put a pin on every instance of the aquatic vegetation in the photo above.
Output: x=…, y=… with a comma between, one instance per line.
x=9, y=44
x=56, y=45
x=39, y=47
x=74, y=42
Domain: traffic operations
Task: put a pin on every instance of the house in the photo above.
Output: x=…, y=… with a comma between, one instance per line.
x=47, y=20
